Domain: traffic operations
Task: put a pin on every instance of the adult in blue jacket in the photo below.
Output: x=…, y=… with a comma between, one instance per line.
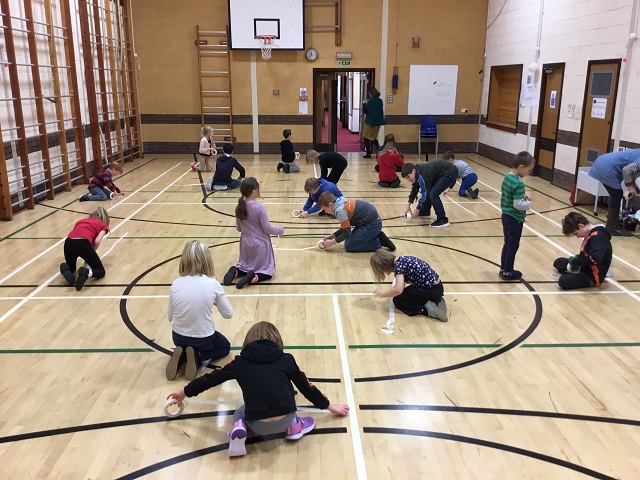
x=314, y=187
x=611, y=169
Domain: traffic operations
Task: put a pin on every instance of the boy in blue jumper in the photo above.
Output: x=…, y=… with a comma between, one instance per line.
x=315, y=187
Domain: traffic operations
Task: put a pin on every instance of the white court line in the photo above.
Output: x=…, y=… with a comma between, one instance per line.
x=32, y=295
x=24, y=265
x=355, y=294
x=456, y=203
x=295, y=249
x=41, y=287
x=315, y=171
x=361, y=470
x=568, y=253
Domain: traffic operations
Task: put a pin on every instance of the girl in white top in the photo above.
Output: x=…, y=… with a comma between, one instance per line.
x=206, y=149
x=191, y=301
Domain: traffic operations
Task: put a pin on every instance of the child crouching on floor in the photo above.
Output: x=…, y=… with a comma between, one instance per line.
x=265, y=375
x=417, y=289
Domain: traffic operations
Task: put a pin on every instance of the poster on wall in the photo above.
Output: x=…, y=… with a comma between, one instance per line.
x=552, y=99
x=598, y=107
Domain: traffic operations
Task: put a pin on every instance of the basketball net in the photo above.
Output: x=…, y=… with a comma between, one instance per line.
x=266, y=42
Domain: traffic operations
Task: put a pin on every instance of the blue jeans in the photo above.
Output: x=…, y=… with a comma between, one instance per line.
x=99, y=194
x=364, y=238
x=467, y=182
x=231, y=185
x=512, y=230
x=433, y=195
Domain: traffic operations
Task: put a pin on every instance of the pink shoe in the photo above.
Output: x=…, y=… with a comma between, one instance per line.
x=298, y=429
x=237, y=437
x=193, y=167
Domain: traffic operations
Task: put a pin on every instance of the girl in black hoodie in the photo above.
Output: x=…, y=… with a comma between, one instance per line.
x=264, y=373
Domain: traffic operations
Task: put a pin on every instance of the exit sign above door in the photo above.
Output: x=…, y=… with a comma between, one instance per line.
x=344, y=63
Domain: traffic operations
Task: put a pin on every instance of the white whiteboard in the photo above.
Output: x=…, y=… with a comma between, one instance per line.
x=432, y=89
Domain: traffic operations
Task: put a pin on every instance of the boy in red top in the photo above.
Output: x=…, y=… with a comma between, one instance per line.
x=389, y=160
x=83, y=241
x=102, y=187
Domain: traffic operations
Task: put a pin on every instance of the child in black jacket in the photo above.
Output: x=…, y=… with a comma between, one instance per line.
x=264, y=373
x=589, y=268
x=289, y=157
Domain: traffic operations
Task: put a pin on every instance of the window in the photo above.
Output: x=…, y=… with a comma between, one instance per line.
x=504, y=95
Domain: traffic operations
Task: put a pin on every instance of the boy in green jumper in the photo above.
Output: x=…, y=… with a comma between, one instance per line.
x=514, y=204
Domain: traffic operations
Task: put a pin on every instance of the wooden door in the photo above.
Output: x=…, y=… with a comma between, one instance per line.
x=597, y=114
x=548, y=118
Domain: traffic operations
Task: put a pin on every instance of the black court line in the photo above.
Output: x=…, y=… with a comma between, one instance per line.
x=483, y=358
x=124, y=314
x=506, y=411
x=218, y=448
x=497, y=446
x=104, y=425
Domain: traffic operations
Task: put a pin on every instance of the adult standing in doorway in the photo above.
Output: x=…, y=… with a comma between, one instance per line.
x=611, y=169
x=373, y=121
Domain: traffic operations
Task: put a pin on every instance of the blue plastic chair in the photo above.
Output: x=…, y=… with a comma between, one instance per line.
x=427, y=130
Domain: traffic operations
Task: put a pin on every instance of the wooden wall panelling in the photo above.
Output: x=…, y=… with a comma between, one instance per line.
x=37, y=90
x=122, y=75
x=92, y=100
x=115, y=93
x=104, y=116
x=57, y=92
x=131, y=76
x=27, y=187
x=6, y=212
x=72, y=82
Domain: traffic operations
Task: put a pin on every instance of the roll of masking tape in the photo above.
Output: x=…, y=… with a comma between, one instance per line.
x=409, y=215
x=297, y=154
x=321, y=245
x=172, y=413
x=296, y=213
x=112, y=195
x=215, y=152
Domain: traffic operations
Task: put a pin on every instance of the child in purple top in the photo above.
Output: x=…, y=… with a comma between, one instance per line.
x=257, y=262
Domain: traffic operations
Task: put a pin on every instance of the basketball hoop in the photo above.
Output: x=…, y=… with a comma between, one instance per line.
x=266, y=42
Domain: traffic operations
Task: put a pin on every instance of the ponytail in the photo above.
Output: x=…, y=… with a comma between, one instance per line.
x=206, y=130
x=247, y=187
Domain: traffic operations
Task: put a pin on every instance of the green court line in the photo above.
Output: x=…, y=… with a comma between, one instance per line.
x=64, y=206
x=495, y=345
x=301, y=347
x=82, y=350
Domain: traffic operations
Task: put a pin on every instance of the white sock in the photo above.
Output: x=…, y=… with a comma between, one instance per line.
x=90, y=274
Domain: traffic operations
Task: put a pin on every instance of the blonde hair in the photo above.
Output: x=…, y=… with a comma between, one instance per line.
x=206, y=130
x=311, y=184
x=382, y=262
x=387, y=147
x=116, y=167
x=263, y=331
x=101, y=214
x=196, y=260
x=312, y=157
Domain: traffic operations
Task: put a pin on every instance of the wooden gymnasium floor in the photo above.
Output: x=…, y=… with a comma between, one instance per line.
x=524, y=381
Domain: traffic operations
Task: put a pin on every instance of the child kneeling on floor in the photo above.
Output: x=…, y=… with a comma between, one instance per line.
x=588, y=268
x=424, y=293
x=265, y=374
x=191, y=301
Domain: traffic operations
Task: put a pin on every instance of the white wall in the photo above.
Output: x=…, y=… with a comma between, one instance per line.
x=571, y=32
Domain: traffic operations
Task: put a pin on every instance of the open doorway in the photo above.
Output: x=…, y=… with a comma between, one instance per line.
x=337, y=108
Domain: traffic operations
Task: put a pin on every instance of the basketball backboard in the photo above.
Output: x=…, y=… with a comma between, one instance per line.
x=249, y=19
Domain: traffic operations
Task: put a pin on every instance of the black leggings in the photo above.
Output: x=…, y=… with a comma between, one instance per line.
x=81, y=247
x=412, y=299
x=261, y=276
x=571, y=281
x=393, y=184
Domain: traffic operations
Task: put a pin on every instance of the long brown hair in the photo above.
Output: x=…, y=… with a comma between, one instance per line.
x=382, y=262
x=263, y=331
x=247, y=187
x=101, y=214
